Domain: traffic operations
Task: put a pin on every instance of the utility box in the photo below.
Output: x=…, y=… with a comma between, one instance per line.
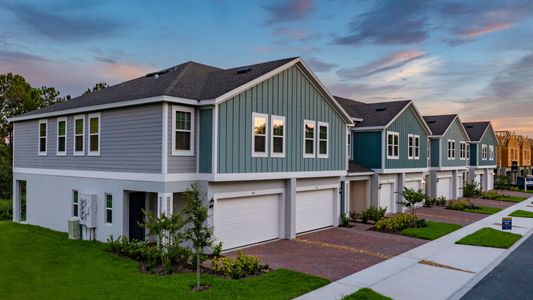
x=74, y=228
x=87, y=210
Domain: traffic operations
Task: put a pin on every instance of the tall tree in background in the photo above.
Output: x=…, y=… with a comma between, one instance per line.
x=96, y=87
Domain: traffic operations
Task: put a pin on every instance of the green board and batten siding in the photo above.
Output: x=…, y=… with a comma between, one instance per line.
x=487, y=139
x=288, y=94
x=367, y=148
x=454, y=133
x=407, y=123
x=206, y=141
x=435, y=153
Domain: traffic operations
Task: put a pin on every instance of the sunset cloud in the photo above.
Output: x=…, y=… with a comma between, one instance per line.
x=487, y=28
x=288, y=11
x=390, y=62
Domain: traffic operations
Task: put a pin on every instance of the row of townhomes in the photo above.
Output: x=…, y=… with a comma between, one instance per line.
x=514, y=155
x=272, y=151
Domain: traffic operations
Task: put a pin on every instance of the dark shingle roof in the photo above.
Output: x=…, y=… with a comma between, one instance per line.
x=475, y=130
x=439, y=124
x=354, y=167
x=373, y=114
x=189, y=80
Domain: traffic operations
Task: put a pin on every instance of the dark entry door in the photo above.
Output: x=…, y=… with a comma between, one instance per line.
x=136, y=215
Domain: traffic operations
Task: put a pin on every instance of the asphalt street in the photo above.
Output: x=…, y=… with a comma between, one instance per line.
x=512, y=279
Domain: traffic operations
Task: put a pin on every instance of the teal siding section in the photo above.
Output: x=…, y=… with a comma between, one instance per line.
x=488, y=139
x=405, y=124
x=454, y=133
x=205, y=141
x=435, y=152
x=287, y=94
x=367, y=149
x=473, y=154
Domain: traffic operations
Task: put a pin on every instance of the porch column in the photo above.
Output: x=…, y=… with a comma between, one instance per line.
x=164, y=204
x=290, y=209
x=16, y=201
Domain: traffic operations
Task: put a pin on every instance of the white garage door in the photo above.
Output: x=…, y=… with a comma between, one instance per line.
x=247, y=220
x=490, y=182
x=386, y=197
x=444, y=188
x=415, y=185
x=460, y=186
x=314, y=209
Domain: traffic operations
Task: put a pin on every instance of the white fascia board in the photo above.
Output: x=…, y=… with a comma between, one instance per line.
x=370, y=128
x=360, y=174
x=462, y=168
x=275, y=175
x=86, y=109
x=397, y=171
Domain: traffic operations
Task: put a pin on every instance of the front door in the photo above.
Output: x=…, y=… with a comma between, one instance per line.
x=137, y=204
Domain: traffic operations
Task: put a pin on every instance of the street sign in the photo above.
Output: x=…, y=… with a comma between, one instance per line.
x=507, y=223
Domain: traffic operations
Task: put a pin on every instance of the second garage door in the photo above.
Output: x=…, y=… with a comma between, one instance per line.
x=314, y=209
x=444, y=188
x=247, y=220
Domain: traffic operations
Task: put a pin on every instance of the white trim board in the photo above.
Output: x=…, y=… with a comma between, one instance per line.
x=396, y=171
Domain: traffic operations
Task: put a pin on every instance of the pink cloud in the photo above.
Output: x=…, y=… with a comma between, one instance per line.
x=487, y=28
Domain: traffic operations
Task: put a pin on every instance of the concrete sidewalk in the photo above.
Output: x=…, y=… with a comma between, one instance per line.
x=437, y=270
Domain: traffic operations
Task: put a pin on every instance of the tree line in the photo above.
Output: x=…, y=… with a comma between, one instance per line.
x=17, y=97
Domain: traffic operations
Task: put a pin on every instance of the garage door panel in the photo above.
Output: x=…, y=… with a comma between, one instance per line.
x=247, y=220
x=386, y=197
x=415, y=185
x=314, y=209
x=444, y=188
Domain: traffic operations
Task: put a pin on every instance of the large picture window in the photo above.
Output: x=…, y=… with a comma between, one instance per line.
x=259, y=135
x=323, y=139
x=94, y=134
x=393, y=145
x=309, y=138
x=278, y=136
x=79, y=135
x=183, y=130
x=43, y=133
x=61, y=136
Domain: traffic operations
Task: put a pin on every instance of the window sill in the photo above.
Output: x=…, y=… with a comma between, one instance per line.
x=182, y=154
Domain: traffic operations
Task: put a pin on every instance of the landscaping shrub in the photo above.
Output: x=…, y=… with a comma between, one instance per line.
x=429, y=201
x=398, y=222
x=344, y=221
x=123, y=246
x=441, y=201
x=459, y=204
x=354, y=216
x=6, y=210
x=491, y=195
x=373, y=214
x=411, y=198
x=240, y=267
x=217, y=249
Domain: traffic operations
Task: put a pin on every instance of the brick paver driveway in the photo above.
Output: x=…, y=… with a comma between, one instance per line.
x=333, y=253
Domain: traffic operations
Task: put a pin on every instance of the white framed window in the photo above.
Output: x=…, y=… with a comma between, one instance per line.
x=467, y=151
x=309, y=138
x=42, y=140
x=183, y=121
x=451, y=149
x=483, y=152
x=349, y=143
x=108, y=208
x=61, y=136
x=79, y=135
x=462, y=150
x=94, y=134
x=277, y=133
x=393, y=145
x=323, y=140
x=413, y=146
x=259, y=135
x=75, y=203
x=428, y=149
x=491, y=152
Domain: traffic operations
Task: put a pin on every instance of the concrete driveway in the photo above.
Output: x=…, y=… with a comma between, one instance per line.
x=333, y=253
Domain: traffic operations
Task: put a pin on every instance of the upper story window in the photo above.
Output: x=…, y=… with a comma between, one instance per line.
x=323, y=139
x=428, y=149
x=108, y=208
x=43, y=130
x=259, y=135
x=451, y=149
x=79, y=135
x=484, y=152
x=278, y=136
x=349, y=143
x=462, y=150
x=393, y=145
x=309, y=138
x=183, y=130
x=491, y=152
x=94, y=134
x=413, y=146
x=75, y=203
x=467, y=151
x=61, y=136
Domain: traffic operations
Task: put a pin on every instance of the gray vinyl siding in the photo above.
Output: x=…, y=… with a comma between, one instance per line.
x=205, y=140
x=287, y=94
x=181, y=164
x=453, y=133
x=487, y=139
x=130, y=141
x=367, y=149
x=435, y=153
x=407, y=123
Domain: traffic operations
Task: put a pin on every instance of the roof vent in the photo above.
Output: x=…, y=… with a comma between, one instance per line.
x=469, y=126
x=381, y=109
x=432, y=122
x=244, y=70
x=157, y=73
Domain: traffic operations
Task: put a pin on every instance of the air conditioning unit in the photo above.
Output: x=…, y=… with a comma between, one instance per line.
x=87, y=210
x=74, y=228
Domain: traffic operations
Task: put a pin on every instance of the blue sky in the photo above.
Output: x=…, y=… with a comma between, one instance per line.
x=474, y=58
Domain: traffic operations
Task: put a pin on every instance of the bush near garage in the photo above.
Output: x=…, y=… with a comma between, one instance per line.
x=373, y=213
x=236, y=268
x=396, y=223
x=459, y=204
x=6, y=210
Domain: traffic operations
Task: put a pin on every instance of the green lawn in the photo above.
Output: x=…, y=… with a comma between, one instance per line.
x=433, y=231
x=366, y=294
x=36, y=263
x=521, y=214
x=483, y=210
x=489, y=237
x=509, y=198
